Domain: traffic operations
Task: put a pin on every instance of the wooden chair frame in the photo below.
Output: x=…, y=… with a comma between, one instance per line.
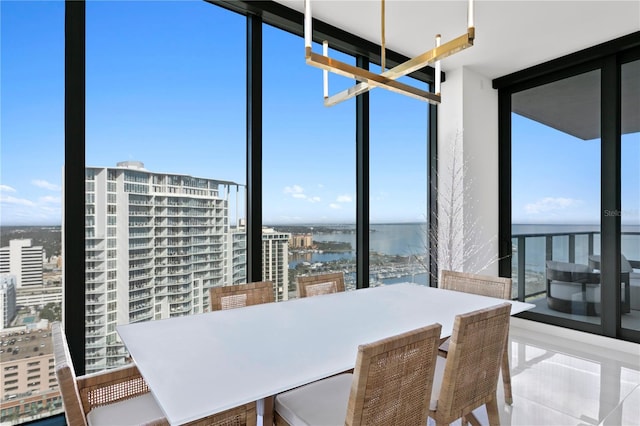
x=313, y=285
x=483, y=285
x=236, y=296
x=470, y=377
x=392, y=380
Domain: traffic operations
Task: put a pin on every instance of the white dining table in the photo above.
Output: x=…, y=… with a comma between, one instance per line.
x=204, y=364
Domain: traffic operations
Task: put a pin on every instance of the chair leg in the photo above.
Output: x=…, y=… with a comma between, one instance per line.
x=506, y=376
x=471, y=418
x=278, y=420
x=492, y=412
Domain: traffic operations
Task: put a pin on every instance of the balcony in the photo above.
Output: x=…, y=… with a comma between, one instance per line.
x=139, y=317
x=531, y=252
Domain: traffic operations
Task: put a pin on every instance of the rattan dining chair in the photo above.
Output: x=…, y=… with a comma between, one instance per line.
x=315, y=285
x=241, y=295
x=120, y=396
x=483, y=285
x=391, y=385
x=468, y=377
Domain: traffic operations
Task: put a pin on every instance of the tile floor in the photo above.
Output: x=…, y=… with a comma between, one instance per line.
x=563, y=377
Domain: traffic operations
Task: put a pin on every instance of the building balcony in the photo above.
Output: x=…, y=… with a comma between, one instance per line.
x=139, y=306
x=133, y=297
x=179, y=290
x=140, y=285
x=142, y=316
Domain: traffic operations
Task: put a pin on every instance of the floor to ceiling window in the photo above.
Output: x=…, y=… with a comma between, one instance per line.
x=630, y=190
x=31, y=161
x=162, y=204
x=170, y=141
x=570, y=131
x=556, y=195
x=165, y=164
x=398, y=187
x=308, y=183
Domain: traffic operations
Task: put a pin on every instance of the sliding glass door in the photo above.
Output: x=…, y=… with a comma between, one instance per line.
x=630, y=192
x=556, y=196
x=570, y=149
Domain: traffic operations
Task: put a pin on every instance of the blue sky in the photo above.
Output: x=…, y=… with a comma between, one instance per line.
x=166, y=86
x=556, y=176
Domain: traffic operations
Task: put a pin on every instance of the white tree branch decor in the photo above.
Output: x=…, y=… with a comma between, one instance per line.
x=458, y=241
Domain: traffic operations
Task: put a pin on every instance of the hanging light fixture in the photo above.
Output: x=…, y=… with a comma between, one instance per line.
x=387, y=79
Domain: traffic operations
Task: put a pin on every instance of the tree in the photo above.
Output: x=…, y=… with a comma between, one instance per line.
x=457, y=242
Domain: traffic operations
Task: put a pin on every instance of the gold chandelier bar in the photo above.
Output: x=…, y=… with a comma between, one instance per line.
x=429, y=57
x=373, y=79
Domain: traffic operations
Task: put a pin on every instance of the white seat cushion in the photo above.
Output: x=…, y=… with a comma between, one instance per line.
x=319, y=403
x=135, y=411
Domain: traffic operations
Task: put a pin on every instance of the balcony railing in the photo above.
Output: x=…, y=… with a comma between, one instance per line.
x=531, y=251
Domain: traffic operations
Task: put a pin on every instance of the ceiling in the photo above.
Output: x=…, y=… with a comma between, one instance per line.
x=510, y=35
x=572, y=105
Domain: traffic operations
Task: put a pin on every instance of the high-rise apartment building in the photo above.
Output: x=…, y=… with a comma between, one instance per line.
x=238, y=254
x=23, y=261
x=155, y=242
x=7, y=299
x=275, y=261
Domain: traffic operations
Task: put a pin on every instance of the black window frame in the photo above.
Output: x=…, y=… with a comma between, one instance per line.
x=256, y=13
x=607, y=57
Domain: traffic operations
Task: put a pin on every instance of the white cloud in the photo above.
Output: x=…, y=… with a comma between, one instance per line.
x=344, y=199
x=6, y=188
x=335, y=206
x=50, y=200
x=45, y=185
x=550, y=204
x=295, y=189
x=16, y=201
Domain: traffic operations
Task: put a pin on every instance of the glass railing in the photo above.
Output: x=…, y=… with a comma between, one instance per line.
x=532, y=251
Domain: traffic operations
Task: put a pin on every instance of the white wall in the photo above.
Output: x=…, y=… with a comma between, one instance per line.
x=469, y=109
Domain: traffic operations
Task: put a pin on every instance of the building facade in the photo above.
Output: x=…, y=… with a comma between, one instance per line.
x=7, y=299
x=301, y=241
x=238, y=253
x=275, y=261
x=155, y=243
x=39, y=296
x=29, y=384
x=24, y=261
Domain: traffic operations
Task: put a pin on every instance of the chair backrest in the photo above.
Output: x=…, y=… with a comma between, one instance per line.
x=238, y=296
x=393, y=378
x=66, y=377
x=476, y=348
x=482, y=285
x=315, y=285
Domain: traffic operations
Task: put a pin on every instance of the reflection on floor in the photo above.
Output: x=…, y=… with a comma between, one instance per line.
x=563, y=377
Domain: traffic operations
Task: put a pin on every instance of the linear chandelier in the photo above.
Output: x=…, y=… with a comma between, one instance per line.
x=368, y=80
